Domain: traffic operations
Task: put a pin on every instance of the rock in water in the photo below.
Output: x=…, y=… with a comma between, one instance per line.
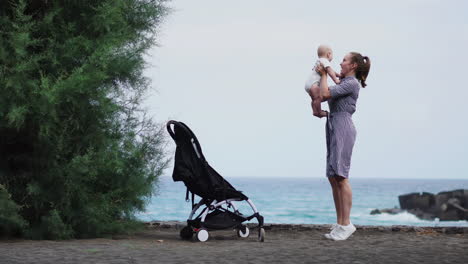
x=391, y=211
x=447, y=206
x=452, y=205
x=423, y=201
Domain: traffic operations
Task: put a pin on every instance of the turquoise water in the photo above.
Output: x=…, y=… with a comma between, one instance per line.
x=307, y=201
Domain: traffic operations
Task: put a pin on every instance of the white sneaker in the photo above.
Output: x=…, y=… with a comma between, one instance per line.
x=332, y=227
x=341, y=232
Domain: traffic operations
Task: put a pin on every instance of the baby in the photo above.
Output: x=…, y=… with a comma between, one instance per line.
x=312, y=85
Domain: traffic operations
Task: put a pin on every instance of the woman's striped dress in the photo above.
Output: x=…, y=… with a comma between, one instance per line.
x=340, y=130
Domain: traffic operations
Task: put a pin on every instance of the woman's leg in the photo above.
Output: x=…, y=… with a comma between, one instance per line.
x=346, y=200
x=336, y=198
x=343, y=205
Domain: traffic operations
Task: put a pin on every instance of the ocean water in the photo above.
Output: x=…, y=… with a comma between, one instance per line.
x=307, y=200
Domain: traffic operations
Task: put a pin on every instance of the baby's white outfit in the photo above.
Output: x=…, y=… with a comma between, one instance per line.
x=314, y=77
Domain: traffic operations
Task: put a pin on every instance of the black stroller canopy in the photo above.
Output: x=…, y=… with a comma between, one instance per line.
x=191, y=167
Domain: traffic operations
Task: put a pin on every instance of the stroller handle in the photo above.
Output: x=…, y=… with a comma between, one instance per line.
x=183, y=126
x=169, y=129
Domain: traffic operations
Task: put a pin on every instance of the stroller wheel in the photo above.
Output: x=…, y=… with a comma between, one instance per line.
x=243, y=234
x=261, y=235
x=186, y=233
x=202, y=235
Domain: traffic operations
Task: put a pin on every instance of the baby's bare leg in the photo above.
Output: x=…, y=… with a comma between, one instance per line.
x=316, y=100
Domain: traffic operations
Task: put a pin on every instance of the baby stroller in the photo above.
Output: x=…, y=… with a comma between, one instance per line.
x=218, y=210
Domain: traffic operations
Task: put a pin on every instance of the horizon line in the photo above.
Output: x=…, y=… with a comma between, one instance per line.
x=323, y=177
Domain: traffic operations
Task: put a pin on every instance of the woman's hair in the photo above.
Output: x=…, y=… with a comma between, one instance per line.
x=363, y=67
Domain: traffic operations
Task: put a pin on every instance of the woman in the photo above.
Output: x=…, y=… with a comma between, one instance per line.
x=341, y=134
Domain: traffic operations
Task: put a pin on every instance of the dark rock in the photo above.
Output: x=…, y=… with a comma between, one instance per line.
x=375, y=211
x=452, y=205
x=442, y=198
x=422, y=201
x=447, y=206
x=449, y=215
x=422, y=214
x=392, y=211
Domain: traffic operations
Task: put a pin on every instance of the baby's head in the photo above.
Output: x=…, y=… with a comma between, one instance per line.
x=325, y=51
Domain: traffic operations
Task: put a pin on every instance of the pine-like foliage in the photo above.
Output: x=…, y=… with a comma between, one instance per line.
x=11, y=223
x=77, y=153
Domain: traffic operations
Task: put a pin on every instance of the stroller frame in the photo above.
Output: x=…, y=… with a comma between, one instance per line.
x=217, y=204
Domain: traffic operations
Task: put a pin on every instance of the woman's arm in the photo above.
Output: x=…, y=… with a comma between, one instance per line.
x=334, y=75
x=324, y=90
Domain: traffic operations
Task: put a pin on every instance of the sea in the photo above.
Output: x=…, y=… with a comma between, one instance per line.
x=307, y=200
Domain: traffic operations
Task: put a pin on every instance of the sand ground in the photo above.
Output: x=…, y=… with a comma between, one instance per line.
x=160, y=243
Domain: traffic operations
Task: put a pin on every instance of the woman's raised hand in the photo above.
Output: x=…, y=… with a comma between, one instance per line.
x=320, y=69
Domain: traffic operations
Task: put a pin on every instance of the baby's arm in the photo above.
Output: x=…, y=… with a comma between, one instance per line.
x=333, y=75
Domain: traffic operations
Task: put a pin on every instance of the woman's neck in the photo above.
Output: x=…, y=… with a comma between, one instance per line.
x=351, y=74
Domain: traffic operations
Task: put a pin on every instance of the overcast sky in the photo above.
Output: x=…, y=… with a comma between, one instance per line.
x=234, y=72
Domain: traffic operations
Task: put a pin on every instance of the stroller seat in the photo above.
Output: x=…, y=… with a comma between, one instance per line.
x=218, y=196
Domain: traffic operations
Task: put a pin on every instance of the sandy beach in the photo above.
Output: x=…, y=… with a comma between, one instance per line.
x=160, y=243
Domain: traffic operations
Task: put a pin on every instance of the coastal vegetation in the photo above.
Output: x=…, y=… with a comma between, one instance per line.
x=78, y=153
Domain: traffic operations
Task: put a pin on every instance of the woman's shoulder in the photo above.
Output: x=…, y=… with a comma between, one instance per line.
x=351, y=81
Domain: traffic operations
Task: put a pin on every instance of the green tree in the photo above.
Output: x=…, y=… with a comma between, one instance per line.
x=78, y=153
x=11, y=223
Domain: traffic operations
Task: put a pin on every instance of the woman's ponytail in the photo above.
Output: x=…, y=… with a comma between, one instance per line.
x=363, y=67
